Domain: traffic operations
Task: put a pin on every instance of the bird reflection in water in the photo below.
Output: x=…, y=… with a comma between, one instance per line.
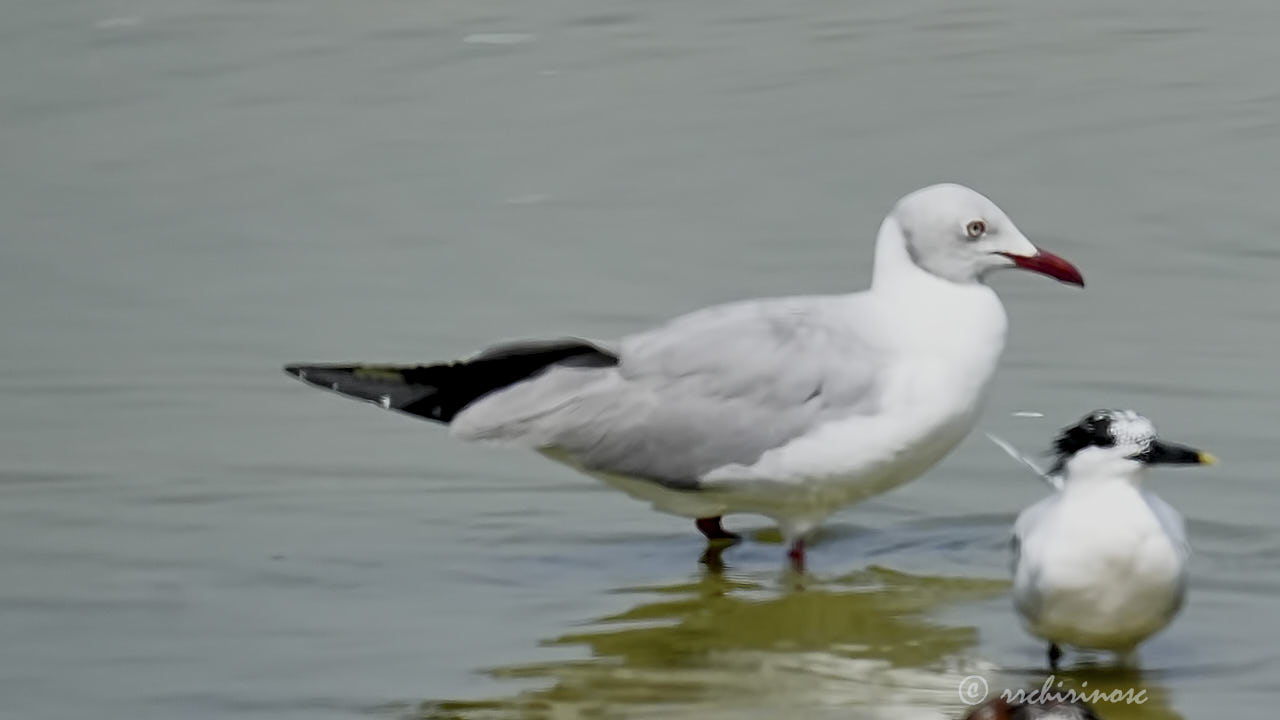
x=736, y=644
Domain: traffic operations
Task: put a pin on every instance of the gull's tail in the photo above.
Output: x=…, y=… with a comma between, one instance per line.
x=440, y=392
x=1051, y=479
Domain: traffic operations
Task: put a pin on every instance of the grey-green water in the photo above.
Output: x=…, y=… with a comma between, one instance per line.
x=194, y=192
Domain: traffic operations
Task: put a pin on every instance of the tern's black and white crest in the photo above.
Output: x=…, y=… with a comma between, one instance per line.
x=1104, y=429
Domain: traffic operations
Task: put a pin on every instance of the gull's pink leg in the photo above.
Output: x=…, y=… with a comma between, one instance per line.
x=796, y=553
x=711, y=528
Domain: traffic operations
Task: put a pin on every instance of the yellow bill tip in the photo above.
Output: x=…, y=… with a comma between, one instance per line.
x=1208, y=458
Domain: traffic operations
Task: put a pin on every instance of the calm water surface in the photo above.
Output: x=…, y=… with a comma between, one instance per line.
x=194, y=192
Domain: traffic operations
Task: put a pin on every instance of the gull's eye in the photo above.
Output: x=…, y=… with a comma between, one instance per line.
x=975, y=229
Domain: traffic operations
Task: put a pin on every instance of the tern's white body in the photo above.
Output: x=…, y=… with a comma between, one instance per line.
x=1101, y=564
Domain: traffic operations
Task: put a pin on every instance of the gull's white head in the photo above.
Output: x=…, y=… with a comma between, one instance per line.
x=958, y=234
x=1118, y=441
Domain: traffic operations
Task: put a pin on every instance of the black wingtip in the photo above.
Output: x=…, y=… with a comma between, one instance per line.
x=439, y=392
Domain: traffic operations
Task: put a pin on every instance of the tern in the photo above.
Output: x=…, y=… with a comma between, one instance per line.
x=1101, y=563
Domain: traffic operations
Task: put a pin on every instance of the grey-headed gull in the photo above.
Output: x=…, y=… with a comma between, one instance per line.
x=791, y=408
x=1102, y=563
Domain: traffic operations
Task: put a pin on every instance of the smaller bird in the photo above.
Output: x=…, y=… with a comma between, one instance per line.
x=1102, y=563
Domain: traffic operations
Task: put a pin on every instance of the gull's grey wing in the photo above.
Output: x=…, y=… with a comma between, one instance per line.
x=709, y=389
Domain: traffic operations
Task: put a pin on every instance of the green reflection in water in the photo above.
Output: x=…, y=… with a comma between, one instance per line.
x=742, y=646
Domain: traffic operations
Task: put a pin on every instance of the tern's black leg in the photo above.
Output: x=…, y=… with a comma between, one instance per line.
x=1055, y=654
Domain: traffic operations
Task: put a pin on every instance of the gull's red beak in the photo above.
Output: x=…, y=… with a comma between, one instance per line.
x=1046, y=263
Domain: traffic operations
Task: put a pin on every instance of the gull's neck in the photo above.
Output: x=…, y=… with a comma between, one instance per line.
x=894, y=268
x=929, y=310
